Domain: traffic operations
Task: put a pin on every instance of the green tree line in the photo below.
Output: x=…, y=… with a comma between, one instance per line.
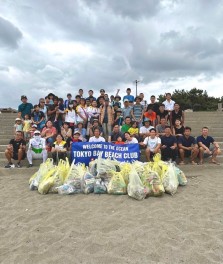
x=195, y=99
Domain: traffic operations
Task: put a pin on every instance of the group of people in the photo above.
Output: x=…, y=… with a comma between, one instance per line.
x=54, y=124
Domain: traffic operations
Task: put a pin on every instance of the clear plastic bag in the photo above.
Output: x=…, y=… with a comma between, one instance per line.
x=88, y=182
x=117, y=184
x=152, y=183
x=100, y=186
x=181, y=176
x=66, y=189
x=135, y=186
x=170, y=181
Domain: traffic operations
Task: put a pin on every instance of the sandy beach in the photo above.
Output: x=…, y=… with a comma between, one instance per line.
x=184, y=228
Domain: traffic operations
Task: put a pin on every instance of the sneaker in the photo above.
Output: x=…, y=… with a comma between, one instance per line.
x=30, y=165
x=18, y=165
x=9, y=165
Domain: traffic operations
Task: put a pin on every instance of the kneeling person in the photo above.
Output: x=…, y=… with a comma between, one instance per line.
x=152, y=143
x=187, y=146
x=37, y=148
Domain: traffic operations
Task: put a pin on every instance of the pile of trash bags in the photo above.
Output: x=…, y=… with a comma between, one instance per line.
x=139, y=180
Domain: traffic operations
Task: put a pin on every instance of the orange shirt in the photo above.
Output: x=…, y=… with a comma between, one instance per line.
x=151, y=116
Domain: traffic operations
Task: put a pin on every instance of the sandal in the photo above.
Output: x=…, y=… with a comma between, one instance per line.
x=181, y=163
x=200, y=163
x=193, y=163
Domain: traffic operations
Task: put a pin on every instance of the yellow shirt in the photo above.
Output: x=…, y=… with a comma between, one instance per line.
x=27, y=125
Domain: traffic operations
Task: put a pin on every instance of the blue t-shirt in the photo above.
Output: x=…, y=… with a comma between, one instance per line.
x=168, y=141
x=129, y=97
x=206, y=141
x=187, y=142
x=25, y=109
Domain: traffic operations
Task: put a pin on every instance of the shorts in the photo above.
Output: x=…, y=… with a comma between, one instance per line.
x=206, y=155
x=187, y=153
x=15, y=156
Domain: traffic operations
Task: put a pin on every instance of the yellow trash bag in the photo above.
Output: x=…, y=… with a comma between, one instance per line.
x=117, y=184
x=44, y=167
x=59, y=175
x=47, y=182
x=125, y=171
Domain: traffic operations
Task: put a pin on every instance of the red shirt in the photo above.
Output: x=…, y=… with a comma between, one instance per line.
x=151, y=116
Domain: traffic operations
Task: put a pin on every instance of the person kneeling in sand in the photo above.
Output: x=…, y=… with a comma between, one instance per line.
x=187, y=147
x=37, y=148
x=152, y=143
x=207, y=147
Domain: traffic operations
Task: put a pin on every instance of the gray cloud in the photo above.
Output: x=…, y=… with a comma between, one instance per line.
x=9, y=34
x=155, y=41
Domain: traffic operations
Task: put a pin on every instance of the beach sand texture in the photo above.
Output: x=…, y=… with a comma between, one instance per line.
x=184, y=228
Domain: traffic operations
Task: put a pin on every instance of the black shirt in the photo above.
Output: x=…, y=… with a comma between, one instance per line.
x=163, y=114
x=16, y=144
x=168, y=141
x=154, y=106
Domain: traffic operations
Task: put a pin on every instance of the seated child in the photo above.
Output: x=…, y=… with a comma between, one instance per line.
x=134, y=130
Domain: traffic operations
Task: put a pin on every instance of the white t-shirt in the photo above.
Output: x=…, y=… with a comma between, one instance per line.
x=71, y=116
x=133, y=141
x=169, y=105
x=144, y=130
x=152, y=143
x=94, y=139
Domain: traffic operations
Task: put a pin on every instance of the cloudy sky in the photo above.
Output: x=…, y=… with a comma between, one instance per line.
x=61, y=46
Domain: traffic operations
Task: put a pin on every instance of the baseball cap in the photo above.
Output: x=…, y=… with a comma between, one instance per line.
x=23, y=97
x=34, y=125
x=76, y=132
x=18, y=119
x=36, y=132
x=119, y=110
x=95, y=120
x=126, y=100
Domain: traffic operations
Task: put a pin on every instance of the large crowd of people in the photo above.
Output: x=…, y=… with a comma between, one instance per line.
x=53, y=124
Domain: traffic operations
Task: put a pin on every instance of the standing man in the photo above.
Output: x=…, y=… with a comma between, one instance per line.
x=137, y=111
x=16, y=150
x=24, y=108
x=106, y=118
x=207, y=147
x=128, y=95
x=169, y=104
x=153, y=104
x=168, y=145
x=187, y=147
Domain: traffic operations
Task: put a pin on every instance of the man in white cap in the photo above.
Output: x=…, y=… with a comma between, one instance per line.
x=36, y=148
